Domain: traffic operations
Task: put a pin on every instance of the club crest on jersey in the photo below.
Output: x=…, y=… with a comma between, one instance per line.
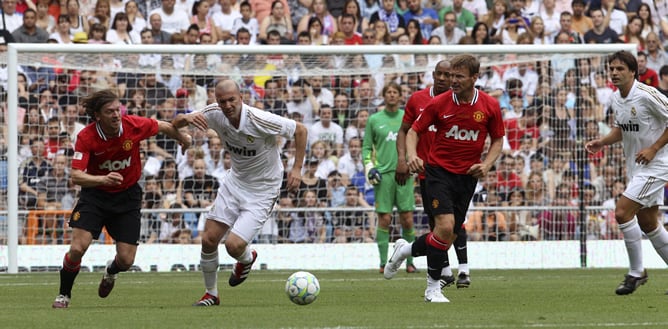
x=434, y=204
x=478, y=116
x=250, y=139
x=127, y=145
x=76, y=216
x=633, y=111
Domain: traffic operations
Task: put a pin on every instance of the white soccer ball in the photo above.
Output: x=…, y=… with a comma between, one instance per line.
x=302, y=288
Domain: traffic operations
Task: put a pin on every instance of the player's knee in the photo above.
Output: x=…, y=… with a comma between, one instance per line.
x=235, y=247
x=125, y=261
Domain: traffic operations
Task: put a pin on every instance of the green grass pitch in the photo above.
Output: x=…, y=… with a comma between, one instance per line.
x=575, y=298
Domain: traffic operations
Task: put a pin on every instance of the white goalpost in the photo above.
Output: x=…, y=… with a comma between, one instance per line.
x=85, y=57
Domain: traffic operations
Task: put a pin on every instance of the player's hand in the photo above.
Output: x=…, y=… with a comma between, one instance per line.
x=478, y=170
x=294, y=179
x=401, y=174
x=373, y=176
x=415, y=164
x=185, y=141
x=198, y=120
x=645, y=155
x=594, y=146
x=112, y=179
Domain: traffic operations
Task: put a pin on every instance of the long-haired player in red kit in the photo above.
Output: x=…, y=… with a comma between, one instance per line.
x=107, y=166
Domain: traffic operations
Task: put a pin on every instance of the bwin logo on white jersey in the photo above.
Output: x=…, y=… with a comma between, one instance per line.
x=632, y=127
x=391, y=136
x=462, y=134
x=240, y=150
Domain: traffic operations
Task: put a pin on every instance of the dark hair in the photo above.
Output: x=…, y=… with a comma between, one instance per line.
x=121, y=15
x=94, y=102
x=626, y=58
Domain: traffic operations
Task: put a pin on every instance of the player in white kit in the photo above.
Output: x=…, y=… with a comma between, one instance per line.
x=250, y=188
x=641, y=124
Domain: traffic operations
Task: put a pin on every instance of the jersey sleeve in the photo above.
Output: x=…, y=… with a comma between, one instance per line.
x=145, y=127
x=81, y=154
x=410, y=111
x=495, y=125
x=367, y=143
x=658, y=104
x=425, y=119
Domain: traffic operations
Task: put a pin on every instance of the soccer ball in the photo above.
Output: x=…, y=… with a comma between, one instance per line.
x=302, y=288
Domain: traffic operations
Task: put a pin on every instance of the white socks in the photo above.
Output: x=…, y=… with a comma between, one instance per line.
x=659, y=238
x=246, y=257
x=209, y=264
x=633, y=241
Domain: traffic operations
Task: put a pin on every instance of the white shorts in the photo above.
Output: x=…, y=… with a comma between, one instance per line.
x=243, y=211
x=646, y=190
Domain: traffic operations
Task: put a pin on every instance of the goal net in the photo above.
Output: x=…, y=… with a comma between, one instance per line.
x=544, y=188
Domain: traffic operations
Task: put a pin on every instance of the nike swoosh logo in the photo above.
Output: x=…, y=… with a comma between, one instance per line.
x=447, y=116
x=99, y=153
x=421, y=109
x=461, y=248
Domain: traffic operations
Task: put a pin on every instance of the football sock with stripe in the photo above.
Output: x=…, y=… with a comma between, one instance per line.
x=68, y=273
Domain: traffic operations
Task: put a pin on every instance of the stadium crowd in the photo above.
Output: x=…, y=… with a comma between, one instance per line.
x=547, y=104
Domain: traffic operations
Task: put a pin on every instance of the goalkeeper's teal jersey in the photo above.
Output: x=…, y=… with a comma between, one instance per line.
x=380, y=140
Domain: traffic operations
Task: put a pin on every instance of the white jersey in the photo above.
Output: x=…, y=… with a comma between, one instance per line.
x=254, y=151
x=642, y=117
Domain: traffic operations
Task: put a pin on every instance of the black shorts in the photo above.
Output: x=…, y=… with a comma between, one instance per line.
x=119, y=212
x=427, y=209
x=448, y=193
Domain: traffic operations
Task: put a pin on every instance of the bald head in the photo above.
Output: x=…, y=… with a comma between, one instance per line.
x=227, y=86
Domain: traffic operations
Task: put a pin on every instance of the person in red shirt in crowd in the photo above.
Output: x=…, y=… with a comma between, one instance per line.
x=517, y=128
x=463, y=118
x=347, y=22
x=107, y=165
x=507, y=179
x=645, y=74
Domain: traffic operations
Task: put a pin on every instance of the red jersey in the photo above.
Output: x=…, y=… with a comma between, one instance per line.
x=356, y=39
x=461, y=129
x=515, y=133
x=414, y=107
x=98, y=154
x=649, y=78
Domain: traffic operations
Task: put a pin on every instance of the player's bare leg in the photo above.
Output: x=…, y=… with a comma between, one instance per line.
x=209, y=262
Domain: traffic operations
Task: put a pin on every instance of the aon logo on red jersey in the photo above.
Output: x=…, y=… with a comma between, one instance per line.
x=462, y=134
x=115, y=165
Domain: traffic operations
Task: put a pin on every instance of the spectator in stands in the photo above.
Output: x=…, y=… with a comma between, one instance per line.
x=365, y=98
x=272, y=99
x=328, y=22
x=427, y=18
x=101, y=15
x=168, y=178
x=62, y=30
x=341, y=110
x=312, y=182
x=616, y=19
x=601, y=32
x=570, y=35
x=507, y=178
x=480, y=34
x=246, y=21
x=465, y=18
x=223, y=21
x=550, y=16
x=327, y=131
x=156, y=92
x=383, y=36
x=315, y=30
x=414, y=33
x=488, y=225
x=279, y=20
x=538, y=32
x=171, y=226
x=656, y=56
x=513, y=100
x=54, y=185
x=663, y=80
x=173, y=21
x=558, y=224
x=195, y=94
x=12, y=19
x=51, y=140
x=78, y=21
x=31, y=171
x=645, y=74
x=303, y=101
x=396, y=25
x=351, y=225
x=181, y=102
x=199, y=190
x=122, y=32
x=28, y=32
x=579, y=19
x=43, y=19
x=449, y=33
x=309, y=225
x=160, y=36
x=495, y=18
x=96, y=35
x=135, y=19
x=633, y=33
x=352, y=7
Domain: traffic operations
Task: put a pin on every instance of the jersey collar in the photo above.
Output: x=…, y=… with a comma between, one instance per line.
x=474, y=99
x=100, y=132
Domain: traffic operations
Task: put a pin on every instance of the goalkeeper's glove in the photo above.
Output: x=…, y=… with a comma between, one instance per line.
x=372, y=174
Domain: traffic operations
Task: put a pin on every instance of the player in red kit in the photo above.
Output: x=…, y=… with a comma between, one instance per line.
x=106, y=164
x=463, y=118
x=414, y=108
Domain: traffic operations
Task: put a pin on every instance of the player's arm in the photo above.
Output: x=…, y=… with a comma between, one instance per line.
x=647, y=154
x=172, y=132
x=196, y=119
x=401, y=173
x=295, y=175
x=614, y=136
x=479, y=170
x=415, y=164
x=84, y=179
x=372, y=174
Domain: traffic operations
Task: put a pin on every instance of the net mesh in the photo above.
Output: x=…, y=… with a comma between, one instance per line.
x=558, y=104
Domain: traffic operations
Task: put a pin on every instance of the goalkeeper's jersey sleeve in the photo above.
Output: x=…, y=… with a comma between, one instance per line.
x=380, y=140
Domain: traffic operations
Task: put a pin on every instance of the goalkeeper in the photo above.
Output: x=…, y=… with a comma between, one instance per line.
x=380, y=138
